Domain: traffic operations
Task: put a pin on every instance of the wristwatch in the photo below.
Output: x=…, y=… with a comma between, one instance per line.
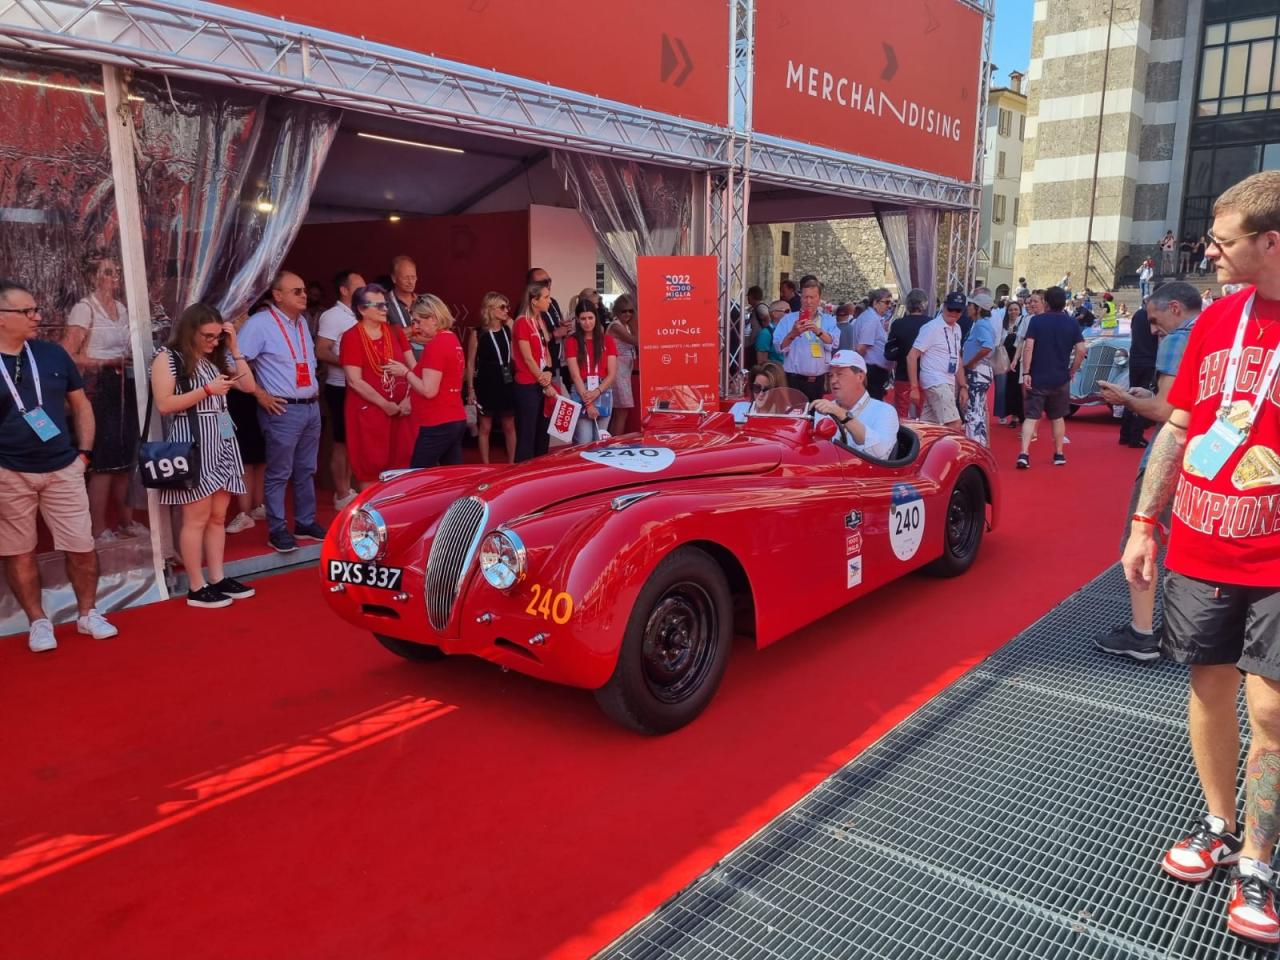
x=845, y=420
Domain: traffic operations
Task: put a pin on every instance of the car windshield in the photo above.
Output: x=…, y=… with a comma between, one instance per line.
x=678, y=399
x=780, y=402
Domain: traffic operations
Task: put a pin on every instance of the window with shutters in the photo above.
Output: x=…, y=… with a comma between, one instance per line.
x=997, y=208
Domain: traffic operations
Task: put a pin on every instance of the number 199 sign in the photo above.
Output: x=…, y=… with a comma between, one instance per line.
x=679, y=327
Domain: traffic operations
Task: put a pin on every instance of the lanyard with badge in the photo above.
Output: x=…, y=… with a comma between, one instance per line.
x=40, y=422
x=1228, y=432
x=302, y=368
x=952, y=358
x=590, y=364
x=503, y=360
x=815, y=345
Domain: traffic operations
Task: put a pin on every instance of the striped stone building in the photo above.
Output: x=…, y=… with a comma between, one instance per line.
x=1191, y=105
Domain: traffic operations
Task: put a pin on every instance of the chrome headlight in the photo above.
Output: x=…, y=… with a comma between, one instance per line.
x=1121, y=358
x=367, y=533
x=502, y=559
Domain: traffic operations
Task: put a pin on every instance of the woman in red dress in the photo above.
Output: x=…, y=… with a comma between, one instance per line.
x=380, y=431
x=439, y=419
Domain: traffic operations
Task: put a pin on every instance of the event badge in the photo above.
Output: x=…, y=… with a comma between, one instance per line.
x=593, y=382
x=815, y=349
x=1215, y=448
x=951, y=367
x=506, y=375
x=226, y=426
x=304, y=374
x=39, y=422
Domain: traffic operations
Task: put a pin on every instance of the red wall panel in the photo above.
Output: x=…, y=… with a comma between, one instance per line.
x=459, y=259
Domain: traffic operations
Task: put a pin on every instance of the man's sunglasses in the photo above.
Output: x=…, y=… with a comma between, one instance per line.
x=377, y=305
x=28, y=312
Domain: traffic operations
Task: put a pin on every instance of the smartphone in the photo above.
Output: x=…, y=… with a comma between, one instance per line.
x=236, y=377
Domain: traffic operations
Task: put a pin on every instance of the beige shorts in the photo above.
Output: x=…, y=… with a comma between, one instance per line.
x=61, y=499
x=940, y=404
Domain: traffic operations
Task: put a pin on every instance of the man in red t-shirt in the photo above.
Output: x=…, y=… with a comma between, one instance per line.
x=1216, y=458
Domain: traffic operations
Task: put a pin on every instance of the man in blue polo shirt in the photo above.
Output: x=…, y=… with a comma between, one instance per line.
x=42, y=465
x=1173, y=309
x=278, y=343
x=1052, y=353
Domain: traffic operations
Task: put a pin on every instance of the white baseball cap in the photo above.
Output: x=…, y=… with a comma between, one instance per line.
x=849, y=358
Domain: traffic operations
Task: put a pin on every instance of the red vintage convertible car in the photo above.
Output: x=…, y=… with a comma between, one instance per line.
x=626, y=566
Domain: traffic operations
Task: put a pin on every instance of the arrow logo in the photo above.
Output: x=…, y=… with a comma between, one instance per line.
x=890, y=63
x=675, y=56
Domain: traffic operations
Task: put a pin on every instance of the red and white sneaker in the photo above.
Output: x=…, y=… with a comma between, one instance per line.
x=1252, y=911
x=1207, y=847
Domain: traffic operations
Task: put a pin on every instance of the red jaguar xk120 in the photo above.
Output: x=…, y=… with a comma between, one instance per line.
x=626, y=566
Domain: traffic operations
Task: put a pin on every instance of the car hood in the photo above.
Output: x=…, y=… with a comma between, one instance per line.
x=633, y=461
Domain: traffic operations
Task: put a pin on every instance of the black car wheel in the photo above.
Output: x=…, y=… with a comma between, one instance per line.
x=408, y=649
x=675, y=646
x=963, y=526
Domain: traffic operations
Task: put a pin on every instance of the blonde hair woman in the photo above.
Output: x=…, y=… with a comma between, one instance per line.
x=622, y=327
x=532, y=372
x=490, y=379
x=436, y=386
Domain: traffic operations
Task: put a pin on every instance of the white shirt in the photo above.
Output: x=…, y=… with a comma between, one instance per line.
x=1145, y=272
x=939, y=346
x=334, y=322
x=880, y=420
x=869, y=329
x=108, y=336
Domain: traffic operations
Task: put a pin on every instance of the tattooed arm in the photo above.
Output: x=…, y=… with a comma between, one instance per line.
x=1158, y=483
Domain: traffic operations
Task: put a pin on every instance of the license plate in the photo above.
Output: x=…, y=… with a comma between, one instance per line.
x=365, y=574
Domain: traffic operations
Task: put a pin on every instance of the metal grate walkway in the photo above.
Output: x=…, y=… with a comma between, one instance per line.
x=1019, y=814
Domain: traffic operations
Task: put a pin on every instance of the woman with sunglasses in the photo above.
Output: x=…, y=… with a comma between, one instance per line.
x=197, y=369
x=490, y=378
x=623, y=330
x=765, y=377
x=534, y=391
x=97, y=338
x=439, y=419
x=592, y=358
x=374, y=356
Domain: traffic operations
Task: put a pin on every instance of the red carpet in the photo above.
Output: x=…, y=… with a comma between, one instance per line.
x=265, y=781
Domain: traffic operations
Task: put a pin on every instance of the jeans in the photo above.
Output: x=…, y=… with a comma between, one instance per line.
x=588, y=430
x=293, y=444
x=1144, y=288
x=532, y=439
x=998, y=390
x=440, y=445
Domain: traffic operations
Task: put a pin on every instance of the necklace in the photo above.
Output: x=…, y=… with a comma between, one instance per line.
x=377, y=362
x=1258, y=320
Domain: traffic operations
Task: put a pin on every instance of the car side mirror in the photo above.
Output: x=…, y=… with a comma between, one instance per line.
x=825, y=429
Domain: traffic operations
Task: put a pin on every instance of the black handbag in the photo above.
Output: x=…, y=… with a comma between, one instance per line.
x=170, y=464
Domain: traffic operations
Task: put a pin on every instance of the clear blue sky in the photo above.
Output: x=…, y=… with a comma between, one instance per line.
x=1011, y=42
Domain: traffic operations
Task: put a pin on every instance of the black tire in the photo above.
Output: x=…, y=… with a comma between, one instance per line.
x=675, y=646
x=965, y=522
x=408, y=649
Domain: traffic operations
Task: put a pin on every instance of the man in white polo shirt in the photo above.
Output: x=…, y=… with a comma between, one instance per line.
x=334, y=322
x=870, y=426
x=934, y=367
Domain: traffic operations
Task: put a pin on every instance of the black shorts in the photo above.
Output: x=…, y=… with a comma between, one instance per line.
x=1218, y=623
x=335, y=397
x=1054, y=404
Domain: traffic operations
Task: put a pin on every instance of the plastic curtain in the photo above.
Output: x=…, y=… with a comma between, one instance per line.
x=893, y=227
x=923, y=234
x=59, y=235
x=194, y=151
x=634, y=209
x=291, y=152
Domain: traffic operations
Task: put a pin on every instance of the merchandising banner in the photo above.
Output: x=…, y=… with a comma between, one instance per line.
x=897, y=82
x=670, y=56
x=679, y=328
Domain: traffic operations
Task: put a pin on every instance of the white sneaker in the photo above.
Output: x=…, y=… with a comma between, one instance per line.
x=240, y=523
x=133, y=529
x=40, y=637
x=259, y=512
x=340, y=502
x=107, y=536
x=95, y=625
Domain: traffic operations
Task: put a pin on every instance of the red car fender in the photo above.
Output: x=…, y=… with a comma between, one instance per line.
x=949, y=457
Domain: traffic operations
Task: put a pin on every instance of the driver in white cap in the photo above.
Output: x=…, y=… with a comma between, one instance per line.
x=871, y=425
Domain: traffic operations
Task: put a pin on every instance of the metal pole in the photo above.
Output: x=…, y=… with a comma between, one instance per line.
x=1097, y=150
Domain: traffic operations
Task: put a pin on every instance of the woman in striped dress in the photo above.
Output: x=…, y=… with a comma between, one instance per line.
x=192, y=372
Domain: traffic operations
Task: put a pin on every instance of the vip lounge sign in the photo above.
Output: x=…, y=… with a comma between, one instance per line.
x=679, y=329
x=676, y=52
x=898, y=82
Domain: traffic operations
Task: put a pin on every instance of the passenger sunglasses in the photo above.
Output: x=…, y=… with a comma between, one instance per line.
x=757, y=388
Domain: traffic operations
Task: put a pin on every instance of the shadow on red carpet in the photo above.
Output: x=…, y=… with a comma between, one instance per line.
x=266, y=781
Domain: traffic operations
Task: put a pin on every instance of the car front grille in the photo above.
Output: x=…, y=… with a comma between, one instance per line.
x=1097, y=366
x=452, y=550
